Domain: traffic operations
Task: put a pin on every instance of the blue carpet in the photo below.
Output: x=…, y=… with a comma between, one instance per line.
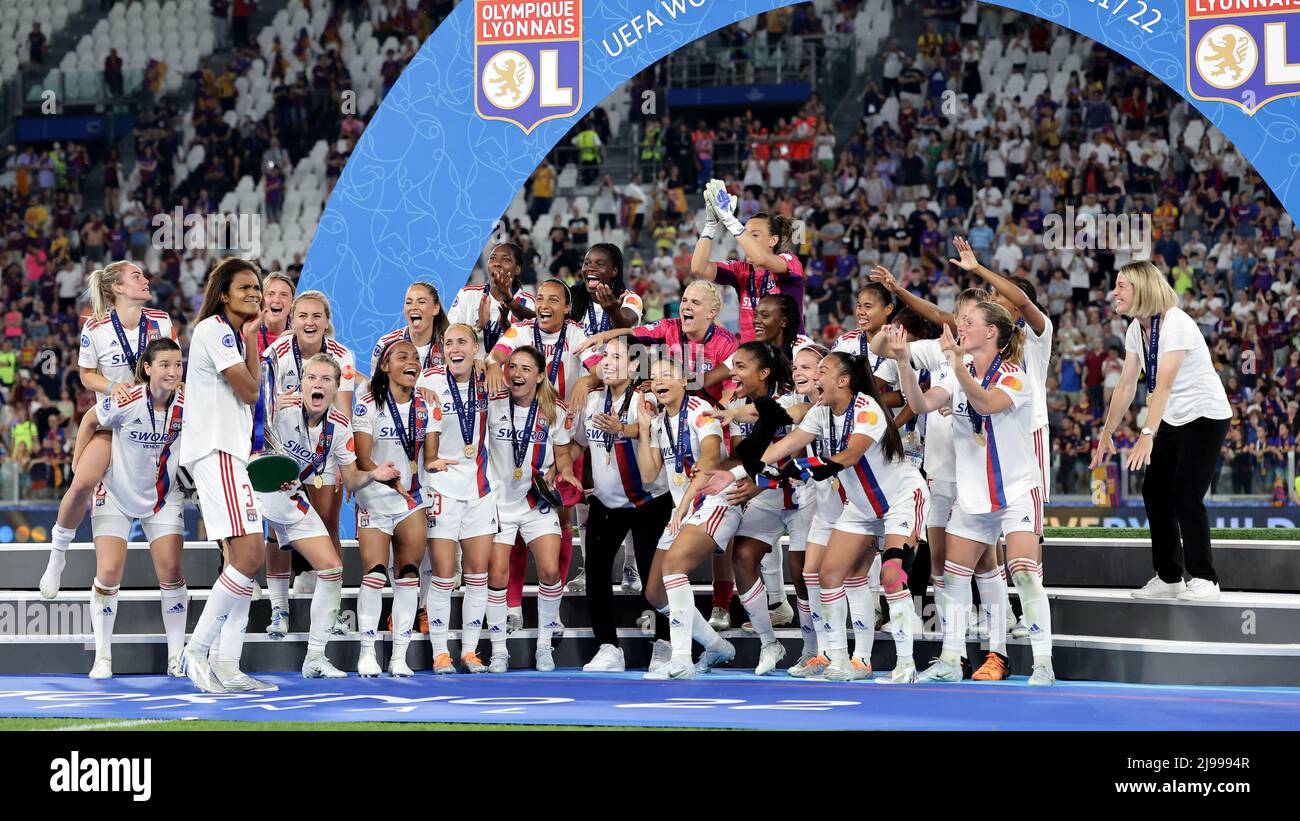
x=728, y=699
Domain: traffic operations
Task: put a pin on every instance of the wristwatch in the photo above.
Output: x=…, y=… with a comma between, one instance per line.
x=1148, y=432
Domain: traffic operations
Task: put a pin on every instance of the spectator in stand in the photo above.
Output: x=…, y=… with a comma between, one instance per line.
x=220, y=19
x=542, y=190
x=241, y=11
x=36, y=43
x=113, y=73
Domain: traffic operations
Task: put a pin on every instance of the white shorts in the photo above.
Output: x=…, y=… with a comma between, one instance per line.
x=768, y=525
x=226, y=498
x=290, y=516
x=943, y=498
x=719, y=521
x=107, y=519
x=984, y=528
x=530, y=523
x=459, y=519
x=386, y=522
x=1042, y=449
x=902, y=519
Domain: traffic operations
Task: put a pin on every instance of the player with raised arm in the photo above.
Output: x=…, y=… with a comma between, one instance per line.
x=463, y=511
x=112, y=341
x=141, y=485
x=318, y=437
x=224, y=379
x=498, y=303
x=996, y=470
x=389, y=421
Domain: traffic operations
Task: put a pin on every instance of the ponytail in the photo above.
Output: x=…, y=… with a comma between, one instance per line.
x=780, y=378
x=790, y=311
x=862, y=380
x=99, y=287
x=379, y=379
x=1011, y=339
x=780, y=227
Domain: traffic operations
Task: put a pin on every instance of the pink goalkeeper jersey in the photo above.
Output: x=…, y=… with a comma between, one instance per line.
x=711, y=352
x=755, y=283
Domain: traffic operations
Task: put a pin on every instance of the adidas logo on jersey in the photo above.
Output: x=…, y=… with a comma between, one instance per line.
x=176, y=608
x=1025, y=520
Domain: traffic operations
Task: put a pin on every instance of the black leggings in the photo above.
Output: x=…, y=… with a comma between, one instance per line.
x=1183, y=458
x=603, y=538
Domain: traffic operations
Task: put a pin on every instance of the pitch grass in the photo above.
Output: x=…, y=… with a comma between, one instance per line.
x=28, y=724
x=1225, y=533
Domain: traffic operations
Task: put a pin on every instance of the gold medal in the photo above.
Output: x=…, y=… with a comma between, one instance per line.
x=317, y=482
x=835, y=484
x=981, y=439
x=415, y=468
x=469, y=451
x=519, y=474
x=679, y=479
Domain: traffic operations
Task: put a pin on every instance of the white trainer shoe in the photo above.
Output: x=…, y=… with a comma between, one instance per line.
x=514, y=619
x=368, y=666
x=768, y=656
x=1043, y=675
x=498, y=664
x=782, y=614
x=174, y=667
x=839, y=670
x=279, y=625
x=237, y=681
x=578, y=584
x=102, y=668
x=545, y=659
x=682, y=669
x=724, y=653
x=398, y=668
x=809, y=665
x=608, y=659
x=472, y=663
x=904, y=673
x=660, y=656
x=1200, y=590
x=197, y=669
x=320, y=667
x=940, y=671
x=1157, y=589
x=631, y=579
x=50, y=583
x=720, y=619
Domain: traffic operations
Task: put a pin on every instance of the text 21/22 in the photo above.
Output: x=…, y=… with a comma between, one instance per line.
x=1139, y=9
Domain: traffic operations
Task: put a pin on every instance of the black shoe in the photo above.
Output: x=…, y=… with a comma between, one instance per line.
x=966, y=671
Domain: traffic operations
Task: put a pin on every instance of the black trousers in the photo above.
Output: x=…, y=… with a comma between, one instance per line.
x=1174, y=486
x=606, y=530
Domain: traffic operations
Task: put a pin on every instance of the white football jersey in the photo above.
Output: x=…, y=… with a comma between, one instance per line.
x=1038, y=358
x=226, y=421
x=318, y=449
x=570, y=369
x=377, y=421
x=285, y=361
x=598, y=320
x=470, y=477
x=665, y=432
x=615, y=471
x=466, y=310
x=782, y=498
x=430, y=354
x=507, y=427
x=857, y=343
x=141, y=476
x=940, y=464
x=102, y=348
x=994, y=474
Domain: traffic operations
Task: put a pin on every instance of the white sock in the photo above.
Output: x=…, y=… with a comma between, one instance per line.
x=755, y=602
x=629, y=550
x=103, y=613
x=324, y=608
x=232, y=635
x=426, y=578
x=834, y=608
x=1007, y=612
x=278, y=586
x=702, y=631
x=993, y=592
x=439, y=610
x=681, y=604
x=370, y=600
x=857, y=592
x=813, y=582
x=405, y=594
x=174, y=602
x=773, y=569
x=231, y=587
x=60, y=538
x=472, y=609
x=1026, y=573
x=873, y=585
x=956, y=583
x=900, y=624
x=496, y=621
x=548, y=611
x=806, y=629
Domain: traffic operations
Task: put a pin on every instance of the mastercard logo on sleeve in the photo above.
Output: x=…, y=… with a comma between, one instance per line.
x=511, y=333
x=1012, y=382
x=867, y=417
x=703, y=419
x=437, y=413
x=352, y=445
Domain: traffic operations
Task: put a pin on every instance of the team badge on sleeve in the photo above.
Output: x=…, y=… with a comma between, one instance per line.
x=359, y=410
x=228, y=341
x=85, y=341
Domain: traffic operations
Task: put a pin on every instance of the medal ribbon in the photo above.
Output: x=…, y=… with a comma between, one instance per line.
x=1153, y=350
x=131, y=356
x=682, y=438
x=977, y=420
x=519, y=451
x=466, y=420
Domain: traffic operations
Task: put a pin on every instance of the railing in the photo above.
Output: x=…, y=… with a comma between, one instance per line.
x=1130, y=482
x=810, y=58
x=77, y=87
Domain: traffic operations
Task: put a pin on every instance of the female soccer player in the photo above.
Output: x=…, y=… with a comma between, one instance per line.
x=311, y=328
x=319, y=438
x=111, y=344
x=528, y=433
x=620, y=503
x=463, y=506
x=141, y=484
x=425, y=324
x=996, y=474
x=606, y=302
x=885, y=497
x=768, y=267
x=277, y=308
x=389, y=422
x=224, y=378
x=684, y=440
x=502, y=301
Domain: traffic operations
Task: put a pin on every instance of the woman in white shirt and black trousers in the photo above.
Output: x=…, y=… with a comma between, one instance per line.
x=1187, y=419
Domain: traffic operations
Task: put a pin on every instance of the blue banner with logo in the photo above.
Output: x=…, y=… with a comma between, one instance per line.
x=1237, y=61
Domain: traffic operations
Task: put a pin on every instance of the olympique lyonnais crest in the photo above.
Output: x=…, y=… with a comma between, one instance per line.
x=1238, y=51
x=528, y=57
